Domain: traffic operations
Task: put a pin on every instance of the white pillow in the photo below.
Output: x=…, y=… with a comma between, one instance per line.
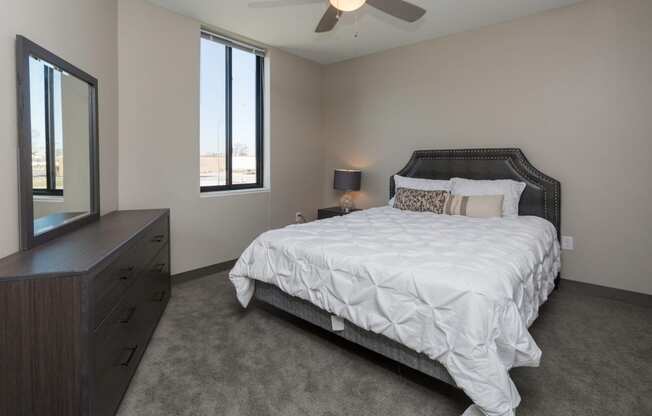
x=510, y=189
x=420, y=184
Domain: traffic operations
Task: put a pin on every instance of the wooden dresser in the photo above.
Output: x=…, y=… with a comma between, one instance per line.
x=77, y=313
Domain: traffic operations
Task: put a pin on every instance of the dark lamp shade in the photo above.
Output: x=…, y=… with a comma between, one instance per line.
x=347, y=180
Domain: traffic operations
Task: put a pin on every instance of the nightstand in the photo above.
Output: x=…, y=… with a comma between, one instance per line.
x=332, y=212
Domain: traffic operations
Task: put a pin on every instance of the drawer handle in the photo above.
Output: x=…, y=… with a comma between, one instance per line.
x=125, y=273
x=132, y=352
x=159, y=267
x=128, y=315
x=160, y=296
x=158, y=238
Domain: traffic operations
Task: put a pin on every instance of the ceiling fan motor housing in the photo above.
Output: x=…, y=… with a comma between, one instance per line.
x=347, y=5
x=400, y=9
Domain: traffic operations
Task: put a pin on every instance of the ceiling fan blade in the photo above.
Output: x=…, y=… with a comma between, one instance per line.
x=399, y=8
x=266, y=4
x=329, y=20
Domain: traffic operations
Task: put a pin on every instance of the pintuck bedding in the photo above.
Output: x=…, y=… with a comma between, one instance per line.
x=461, y=290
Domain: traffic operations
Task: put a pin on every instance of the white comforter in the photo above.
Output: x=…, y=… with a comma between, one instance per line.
x=461, y=290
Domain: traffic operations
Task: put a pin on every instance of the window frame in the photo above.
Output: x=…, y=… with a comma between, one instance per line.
x=260, y=114
x=50, y=150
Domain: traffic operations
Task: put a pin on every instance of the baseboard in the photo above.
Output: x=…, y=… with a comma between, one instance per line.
x=202, y=271
x=590, y=289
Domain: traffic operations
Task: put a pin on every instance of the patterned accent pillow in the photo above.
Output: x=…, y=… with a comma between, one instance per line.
x=478, y=206
x=408, y=199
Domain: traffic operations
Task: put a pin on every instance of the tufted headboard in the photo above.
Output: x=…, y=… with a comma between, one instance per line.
x=541, y=197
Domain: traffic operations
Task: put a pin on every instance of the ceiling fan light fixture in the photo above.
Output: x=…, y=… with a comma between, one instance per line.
x=347, y=5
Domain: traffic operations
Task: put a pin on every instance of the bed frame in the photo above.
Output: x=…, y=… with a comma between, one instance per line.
x=541, y=197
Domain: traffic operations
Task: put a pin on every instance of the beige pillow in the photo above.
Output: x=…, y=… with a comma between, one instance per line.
x=478, y=206
x=421, y=201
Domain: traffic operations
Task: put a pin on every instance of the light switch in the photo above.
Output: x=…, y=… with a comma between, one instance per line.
x=567, y=243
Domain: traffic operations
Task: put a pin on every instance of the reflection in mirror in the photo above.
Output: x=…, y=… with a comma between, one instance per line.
x=60, y=132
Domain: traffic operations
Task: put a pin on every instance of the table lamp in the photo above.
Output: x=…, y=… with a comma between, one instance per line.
x=347, y=180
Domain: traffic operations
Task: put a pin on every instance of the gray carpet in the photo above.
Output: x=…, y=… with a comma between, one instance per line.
x=211, y=357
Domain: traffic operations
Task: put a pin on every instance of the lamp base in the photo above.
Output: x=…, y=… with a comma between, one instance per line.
x=346, y=202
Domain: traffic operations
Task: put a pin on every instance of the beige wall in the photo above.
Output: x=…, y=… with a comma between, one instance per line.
x=159, y=139
x=296, y=147
x=84, y=33
x=571, y=87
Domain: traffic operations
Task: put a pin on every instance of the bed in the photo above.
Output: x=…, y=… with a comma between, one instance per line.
x=449, y=296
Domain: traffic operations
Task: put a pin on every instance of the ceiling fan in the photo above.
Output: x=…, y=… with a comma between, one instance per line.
x=397, y=8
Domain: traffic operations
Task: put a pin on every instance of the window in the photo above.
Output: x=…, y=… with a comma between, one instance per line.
x=47, y=134
x=231, y=114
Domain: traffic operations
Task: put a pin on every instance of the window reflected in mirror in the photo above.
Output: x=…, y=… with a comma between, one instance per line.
x=60, y=138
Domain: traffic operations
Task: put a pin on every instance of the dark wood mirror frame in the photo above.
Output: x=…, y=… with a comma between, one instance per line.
x=24, y=49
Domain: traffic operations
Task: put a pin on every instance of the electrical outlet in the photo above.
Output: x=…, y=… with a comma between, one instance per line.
x=567, y=243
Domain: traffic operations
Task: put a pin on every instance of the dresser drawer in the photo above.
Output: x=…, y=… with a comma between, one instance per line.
x=121, y=339
x=157, y=286
x=112, y=283
x=156, y=237
x=127, y=318
x=118, y=345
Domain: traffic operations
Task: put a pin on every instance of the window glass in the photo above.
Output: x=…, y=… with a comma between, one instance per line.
x=58, y=129
x=230, y=114
x=45, y=99
x=37, y=104
x=212, y=160
x=244, y=117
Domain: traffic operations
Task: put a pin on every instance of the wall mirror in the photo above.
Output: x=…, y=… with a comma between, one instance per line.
x=58, y=145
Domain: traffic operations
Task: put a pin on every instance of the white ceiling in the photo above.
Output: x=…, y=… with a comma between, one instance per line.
x=292, y=27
